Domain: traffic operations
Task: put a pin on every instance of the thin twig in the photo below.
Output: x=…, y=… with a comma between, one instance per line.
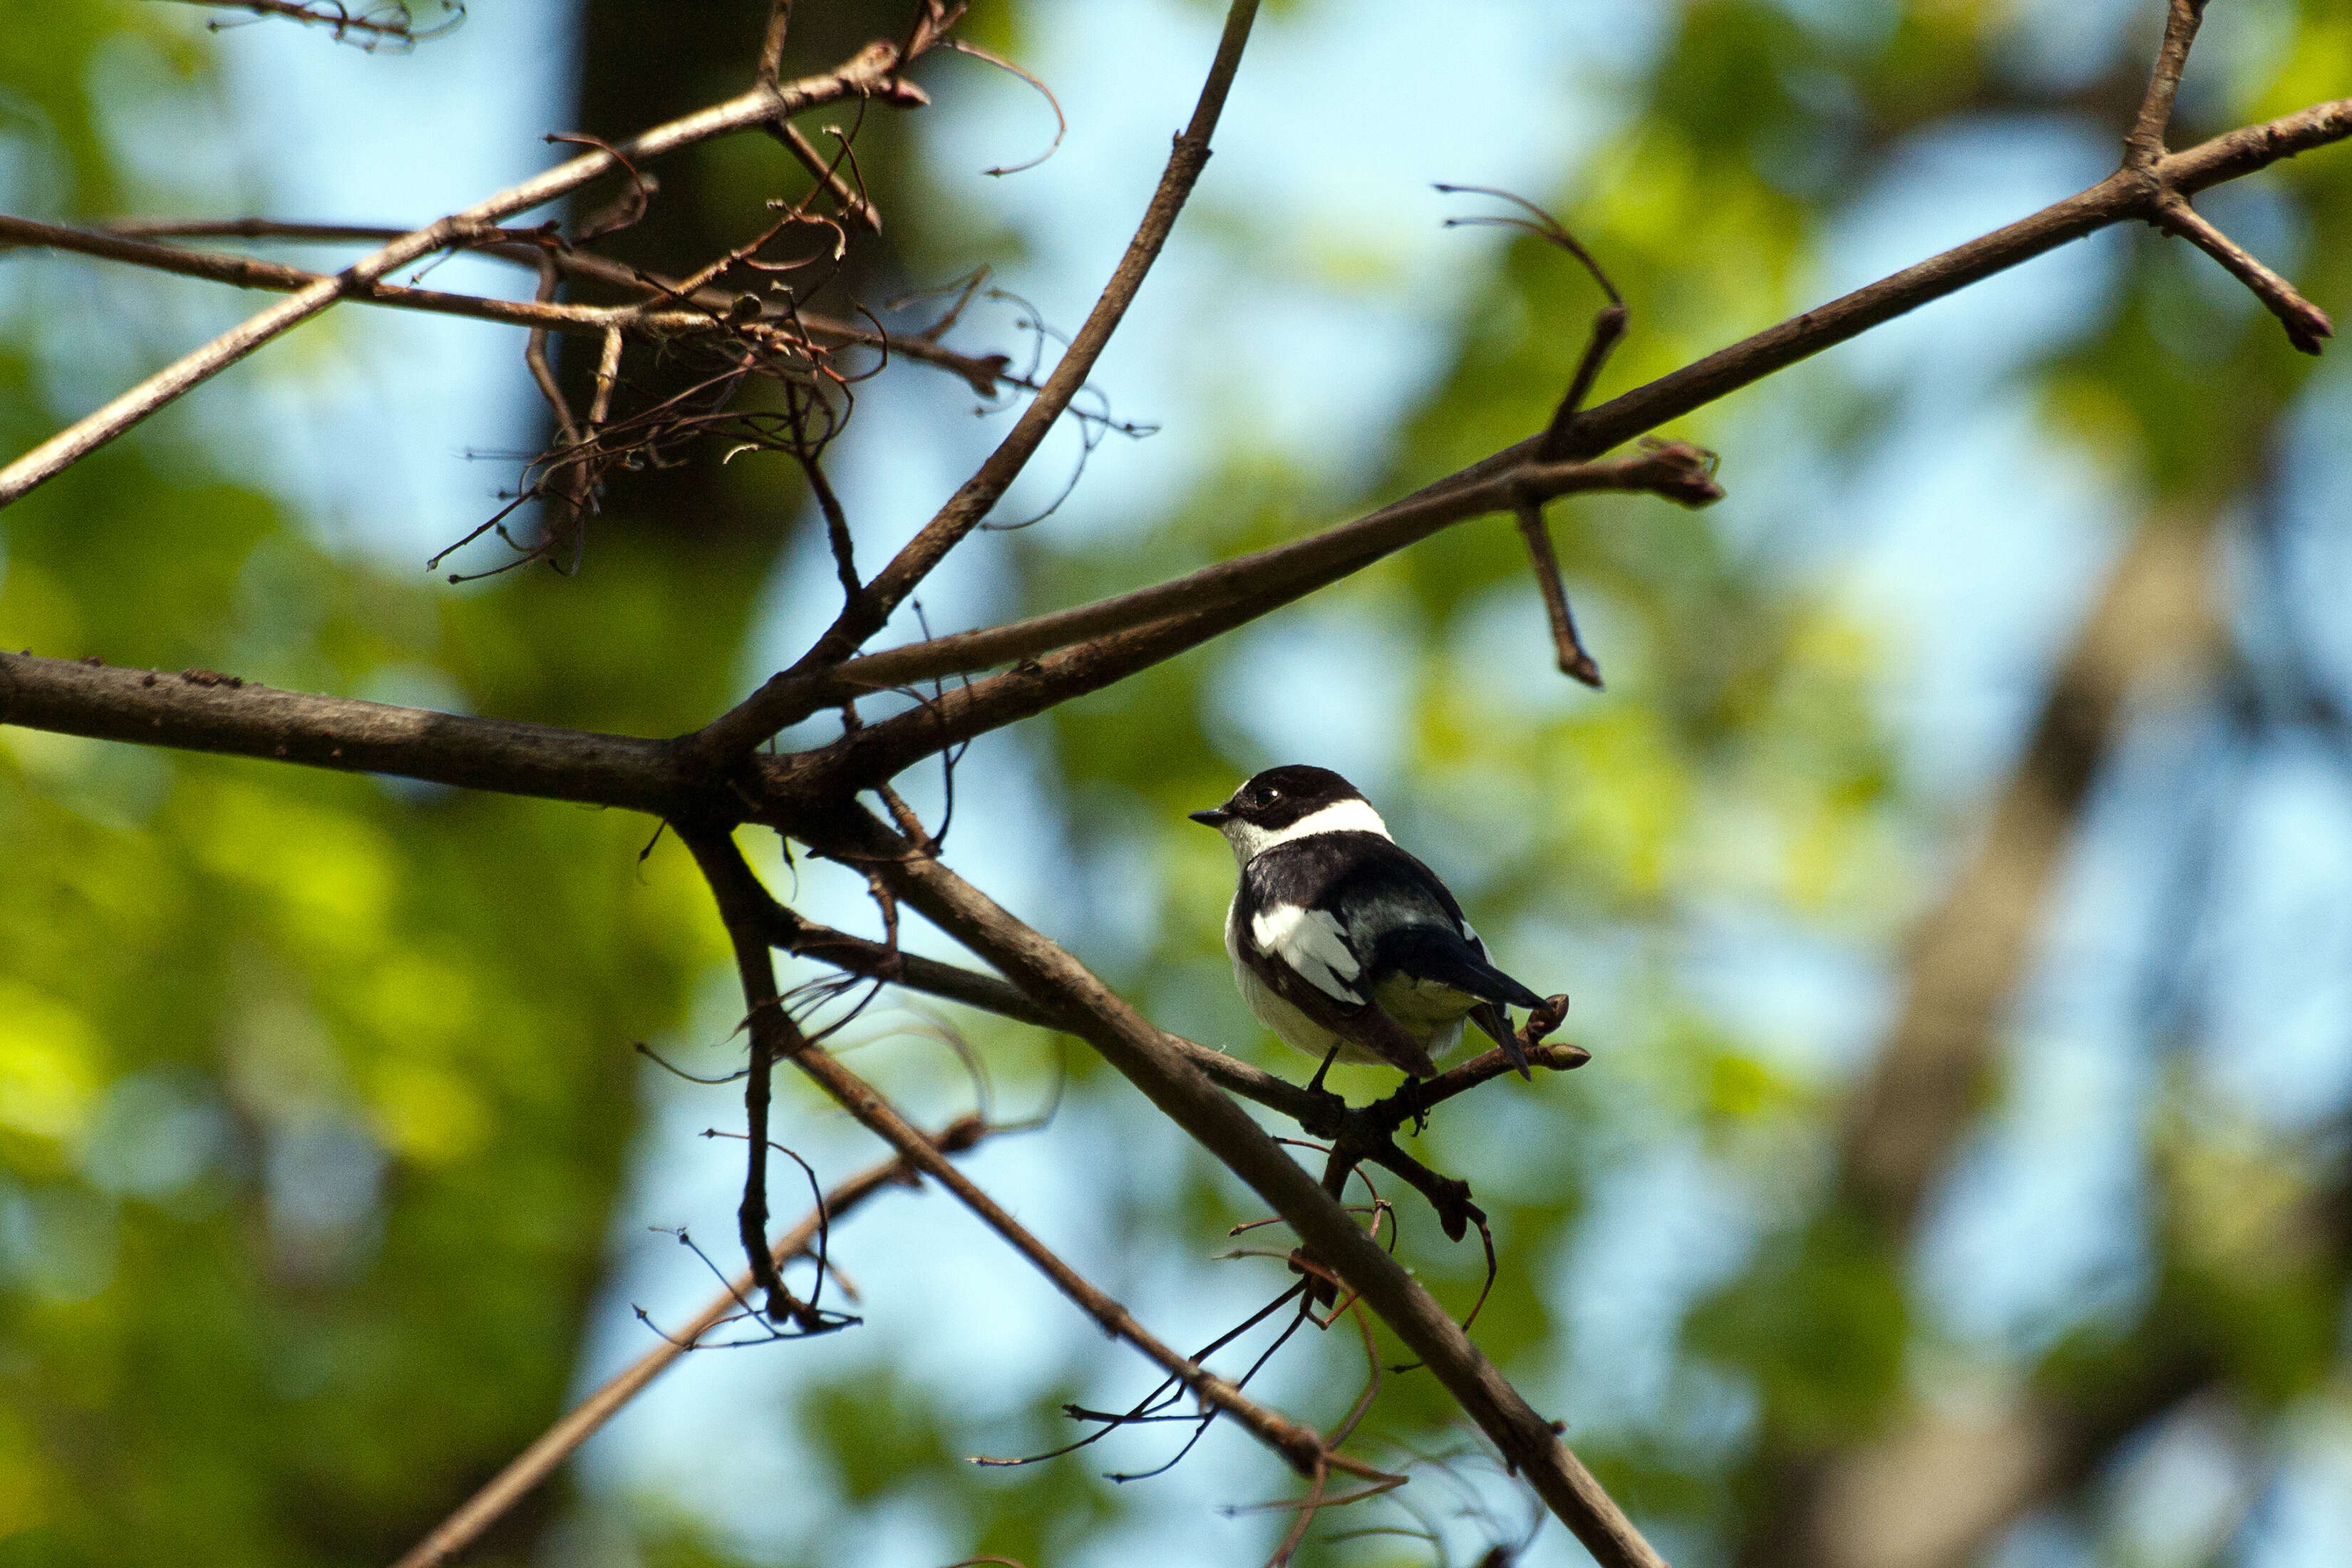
x=847, y=199
x=1150, y=1060
x=772, y=707
x=751, y=1216
x=251, y=272
x=2144, y=143
x=871, y=72
x=1061, y=121
x=711, y=317
x=559, y=1442
x=742, y=899
x=771, y=43
x=608, y=373
x=2307, y=326
x=534, y=356
x=1568, y=648
x=569, y=481
x=1607, y=326
x=339, y=19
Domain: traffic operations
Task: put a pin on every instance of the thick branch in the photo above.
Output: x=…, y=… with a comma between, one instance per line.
x=869, y=73
x=201, y=710
x=561, y=1441
x=1678, y=472
x=784, y=700
x=2121, y=197
x=1155, y=1064
x=1209, y=602
x=741, y=902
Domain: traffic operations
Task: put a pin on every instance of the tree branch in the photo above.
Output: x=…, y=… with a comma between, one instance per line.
x=1569, y=651
x=1152, y=1061
x=1678, y=472
x=784, y=699
x=559, y=1442
x=741, y=903
x=771, y=42
x=2144, y=144
x=336, y=17
x=982, y=372
x=2307, y=326
x=790, y=932
x=2120, y=198
x=203, y=711
x=869, y=73
x=1215, y=601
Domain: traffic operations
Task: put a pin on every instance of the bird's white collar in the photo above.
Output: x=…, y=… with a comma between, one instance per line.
x=1250, y=840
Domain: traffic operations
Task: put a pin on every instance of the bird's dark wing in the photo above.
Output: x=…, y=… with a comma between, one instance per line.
x=1356, y=908
x=1432, y=951
x=1359, y=878
x=1360, y=1022
x=1299, y=942
x=1456, y=960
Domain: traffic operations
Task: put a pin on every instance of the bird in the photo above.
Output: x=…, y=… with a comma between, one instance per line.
x=1344, y=944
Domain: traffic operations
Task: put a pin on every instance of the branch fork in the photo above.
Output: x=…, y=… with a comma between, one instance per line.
x=2166, y=205
x=1358, y=1134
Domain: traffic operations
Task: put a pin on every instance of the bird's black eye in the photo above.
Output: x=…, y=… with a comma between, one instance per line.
x=1268, y=795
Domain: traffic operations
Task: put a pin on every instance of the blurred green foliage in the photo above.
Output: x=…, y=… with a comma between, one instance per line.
x=315, y=1094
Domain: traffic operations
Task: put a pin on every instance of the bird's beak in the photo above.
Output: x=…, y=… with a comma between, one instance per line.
x=1215, y=817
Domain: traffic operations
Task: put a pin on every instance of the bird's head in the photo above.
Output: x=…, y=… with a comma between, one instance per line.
x=1288, y=802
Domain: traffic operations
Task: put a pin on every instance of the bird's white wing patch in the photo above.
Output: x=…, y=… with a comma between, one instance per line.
x=1313, y=943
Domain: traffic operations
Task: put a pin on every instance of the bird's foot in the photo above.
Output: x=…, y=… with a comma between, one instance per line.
x=1333, y=1106
x=1327, y=1115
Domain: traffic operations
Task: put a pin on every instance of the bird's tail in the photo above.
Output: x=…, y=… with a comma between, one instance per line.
x=1431, y=952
